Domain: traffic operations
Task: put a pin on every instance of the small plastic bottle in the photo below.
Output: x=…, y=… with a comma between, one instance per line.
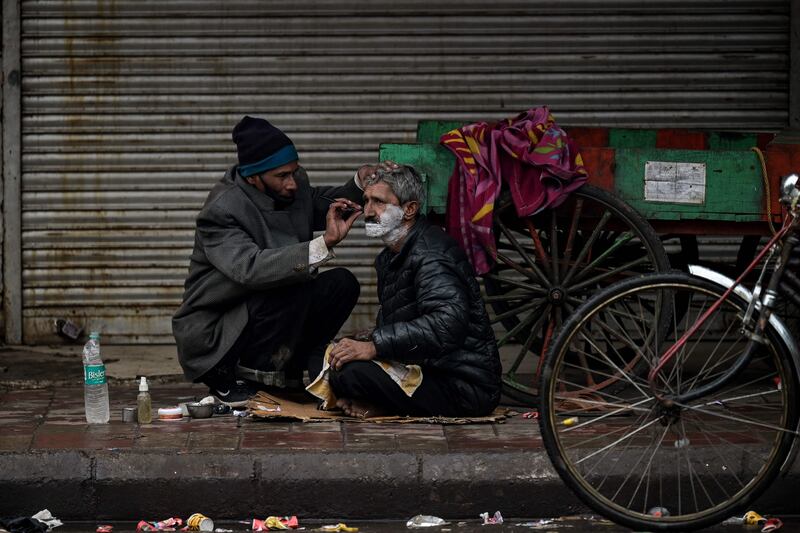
x=144, y=406
x=95, y=391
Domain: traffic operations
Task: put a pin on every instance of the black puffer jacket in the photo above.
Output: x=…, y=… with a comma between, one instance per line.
x=432, y=315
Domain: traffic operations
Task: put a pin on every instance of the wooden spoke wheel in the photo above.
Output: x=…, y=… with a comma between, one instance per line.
x=550, y=262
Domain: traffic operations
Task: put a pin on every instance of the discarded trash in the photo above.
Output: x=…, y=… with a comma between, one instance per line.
x=340, y=527
x=105, y=529
x=170, y=524
x=682, y=442
x=200, y=522
x=538, y=524
x=658, y=512
x=422, y=520
x=488, y=520
x=773, y=524
x=571, y=421
x=47, y=519
x=752, y=518
x=68, y=329
x=733, y=521
x=223, y=530
x=275, y=523
x=38, y=523
x=533, y=415
x=170, y=413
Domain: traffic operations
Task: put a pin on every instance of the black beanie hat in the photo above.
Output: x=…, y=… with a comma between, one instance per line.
x=261, y=146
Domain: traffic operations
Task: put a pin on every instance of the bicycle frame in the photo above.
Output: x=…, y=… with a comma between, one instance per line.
x=787, y=233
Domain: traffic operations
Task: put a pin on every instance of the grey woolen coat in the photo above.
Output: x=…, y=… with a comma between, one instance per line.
x=243, y=245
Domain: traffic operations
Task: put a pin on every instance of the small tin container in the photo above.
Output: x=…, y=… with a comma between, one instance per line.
x=129, y=414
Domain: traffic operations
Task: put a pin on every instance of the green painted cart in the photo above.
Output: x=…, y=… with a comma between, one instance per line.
x=643, y=183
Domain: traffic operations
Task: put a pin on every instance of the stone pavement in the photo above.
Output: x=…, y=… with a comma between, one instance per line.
x=233, y=469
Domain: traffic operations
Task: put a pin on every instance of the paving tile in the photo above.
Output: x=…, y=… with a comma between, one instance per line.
x=421, y=443
x=370, y=442
x=206, y=440
x=61, y=441
x=305, y=440
x=19, y=442
x=262, y=426
x=315, y=427
x=155, y=439
x=484, y=431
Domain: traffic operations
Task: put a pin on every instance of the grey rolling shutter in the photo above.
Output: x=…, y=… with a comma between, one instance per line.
x=128, y=108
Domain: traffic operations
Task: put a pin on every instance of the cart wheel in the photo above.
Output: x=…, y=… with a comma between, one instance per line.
x=548, y=263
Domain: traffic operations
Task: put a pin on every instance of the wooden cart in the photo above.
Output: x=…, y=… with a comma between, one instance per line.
x=644, y=185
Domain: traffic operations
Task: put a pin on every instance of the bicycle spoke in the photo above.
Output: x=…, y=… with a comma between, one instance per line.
x=595, y=281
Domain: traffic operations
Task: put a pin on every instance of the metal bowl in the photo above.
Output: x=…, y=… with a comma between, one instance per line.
x=200, y=410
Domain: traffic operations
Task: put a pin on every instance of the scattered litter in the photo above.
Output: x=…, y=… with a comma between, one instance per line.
x=38, y=523
x=534, y=415
x=223, y=530
x=752, y=518
x=422, y=520
x=538, y=524
x=658, y=512
x=733, y=521
x=773, y=524
x=242, y=412
x=571, y=421
x=339, y=527
x=48, y=519
x=272, y=523
x=199, y=522
x=170, y=524
x=489, y=520
x=106, y=528
x=68, y=329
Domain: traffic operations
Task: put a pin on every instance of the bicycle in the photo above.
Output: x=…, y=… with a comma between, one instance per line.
x=699, y=433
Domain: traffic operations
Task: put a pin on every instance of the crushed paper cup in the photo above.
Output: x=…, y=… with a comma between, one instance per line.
x=773, y=524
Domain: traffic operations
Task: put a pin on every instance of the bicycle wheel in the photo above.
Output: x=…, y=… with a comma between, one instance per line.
x=550, y=262
x=647, y=464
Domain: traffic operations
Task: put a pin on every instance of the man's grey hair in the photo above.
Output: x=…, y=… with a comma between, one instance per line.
x=404, y=181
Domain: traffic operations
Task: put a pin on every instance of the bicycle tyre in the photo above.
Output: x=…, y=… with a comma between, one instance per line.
x=590, y=223
x=625, y=459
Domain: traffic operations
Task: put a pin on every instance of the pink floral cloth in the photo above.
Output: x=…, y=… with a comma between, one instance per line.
x=529, y=152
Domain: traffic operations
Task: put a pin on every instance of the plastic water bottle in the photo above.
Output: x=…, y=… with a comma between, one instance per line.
x=95, y=392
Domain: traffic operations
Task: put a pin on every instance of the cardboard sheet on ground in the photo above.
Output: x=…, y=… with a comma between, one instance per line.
x=273, y=407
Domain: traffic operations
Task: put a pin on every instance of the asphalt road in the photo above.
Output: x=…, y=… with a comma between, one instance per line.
x=583, y=524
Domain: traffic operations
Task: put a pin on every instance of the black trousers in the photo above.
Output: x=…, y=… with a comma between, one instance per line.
x=367, y=382
x=289, y=327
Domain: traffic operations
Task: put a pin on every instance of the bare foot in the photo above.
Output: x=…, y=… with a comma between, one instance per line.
x=360, y=409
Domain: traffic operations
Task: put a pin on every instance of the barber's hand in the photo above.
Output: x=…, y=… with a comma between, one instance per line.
x=347, y=350
x=336, y=227
x=368, y=171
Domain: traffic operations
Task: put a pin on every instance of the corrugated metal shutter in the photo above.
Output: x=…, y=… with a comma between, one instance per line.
x=128, y=105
